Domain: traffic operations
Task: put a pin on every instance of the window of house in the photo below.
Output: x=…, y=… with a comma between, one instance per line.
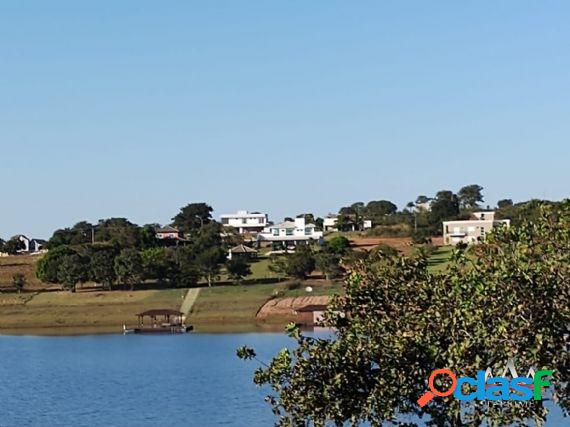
x=261, y=220
x=289, y=232
x=447, y=228
x=244, y=220
x=225, y=221
x=482, y=232
x=308, y=231
x=275, y=231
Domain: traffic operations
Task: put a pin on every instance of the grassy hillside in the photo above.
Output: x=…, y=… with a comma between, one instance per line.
x=81, y=311
x=25, y=264
x=220, y=308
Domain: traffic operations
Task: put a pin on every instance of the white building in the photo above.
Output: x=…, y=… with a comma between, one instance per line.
x=245, y=222
x=329, y=224
x=472, y=230
x=30, y=245
x=290, y=232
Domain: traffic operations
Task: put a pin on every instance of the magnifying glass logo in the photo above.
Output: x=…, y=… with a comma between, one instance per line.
x=429, y=395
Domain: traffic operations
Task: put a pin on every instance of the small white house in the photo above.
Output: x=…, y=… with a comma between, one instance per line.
x=290, y=232
x=30, y=245
x=245, y=222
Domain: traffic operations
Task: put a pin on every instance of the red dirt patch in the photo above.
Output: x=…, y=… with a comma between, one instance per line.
x=287, y=306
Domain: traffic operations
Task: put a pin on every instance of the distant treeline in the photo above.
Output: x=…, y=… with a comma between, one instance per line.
x=115, y=252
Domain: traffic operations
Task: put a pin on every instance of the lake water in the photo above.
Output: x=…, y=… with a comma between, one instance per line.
x=115, y=380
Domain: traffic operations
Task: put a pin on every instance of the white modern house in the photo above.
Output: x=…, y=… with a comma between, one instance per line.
x=245, y=222
x=329, y=222
x=472, y=230
x=30, y=245
x=290, y=232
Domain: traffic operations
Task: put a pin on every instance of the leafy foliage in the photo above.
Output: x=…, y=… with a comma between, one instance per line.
x=72, y=269
x=47, y=266
x=338, y=245
x=238, y=268
x=192, y=216
x=129, y=267
x=19, y=282
x=398, y=322
x=470, y=196
x=298, y=264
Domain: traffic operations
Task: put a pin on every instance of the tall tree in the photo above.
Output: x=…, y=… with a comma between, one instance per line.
x=238, y=268
x=118, y=231
x=505, y=203
x=380, y=208
x=48, y=265
x=129, y=267
x=80, y=233
x=159, y=264
x=72, y=270
x=102, y=267
x=329, y=265
x=209, y=262
x=470, y=196
x=444, y=207
x=148, y=236
x=187, y=273
x=192, y=216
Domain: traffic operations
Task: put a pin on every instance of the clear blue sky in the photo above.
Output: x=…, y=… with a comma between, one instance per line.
x=135, y=108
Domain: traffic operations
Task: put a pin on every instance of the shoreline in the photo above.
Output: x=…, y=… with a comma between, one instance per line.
x=79, y=331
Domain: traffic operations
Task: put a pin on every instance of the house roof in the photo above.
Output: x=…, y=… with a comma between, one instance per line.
x=290, y=224
x=161, y=312
x=242, y=249
x=312, y=307
x=284, y=224
x=166, y=229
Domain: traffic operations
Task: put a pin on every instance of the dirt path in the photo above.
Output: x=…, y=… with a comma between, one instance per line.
x=189, y=301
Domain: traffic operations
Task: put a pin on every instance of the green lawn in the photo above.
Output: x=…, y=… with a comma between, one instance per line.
x=439, y=260
x=92, y=311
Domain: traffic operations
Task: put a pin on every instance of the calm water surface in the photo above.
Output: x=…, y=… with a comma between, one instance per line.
x=115, y=380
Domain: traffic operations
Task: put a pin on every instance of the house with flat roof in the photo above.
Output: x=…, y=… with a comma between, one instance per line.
x=290, y=232
x=331, y=220
x=472, y=230
x=245, y=221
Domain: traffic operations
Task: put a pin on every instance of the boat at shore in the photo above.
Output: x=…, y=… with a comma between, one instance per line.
x=159, y=321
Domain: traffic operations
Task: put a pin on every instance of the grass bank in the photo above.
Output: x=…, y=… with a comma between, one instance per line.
x=63, y=312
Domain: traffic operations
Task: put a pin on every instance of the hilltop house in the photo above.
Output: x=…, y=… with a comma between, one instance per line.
x=30, y=245
x=290, y=232
x=245, y=222
x=472, y=230
x=167, y=233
